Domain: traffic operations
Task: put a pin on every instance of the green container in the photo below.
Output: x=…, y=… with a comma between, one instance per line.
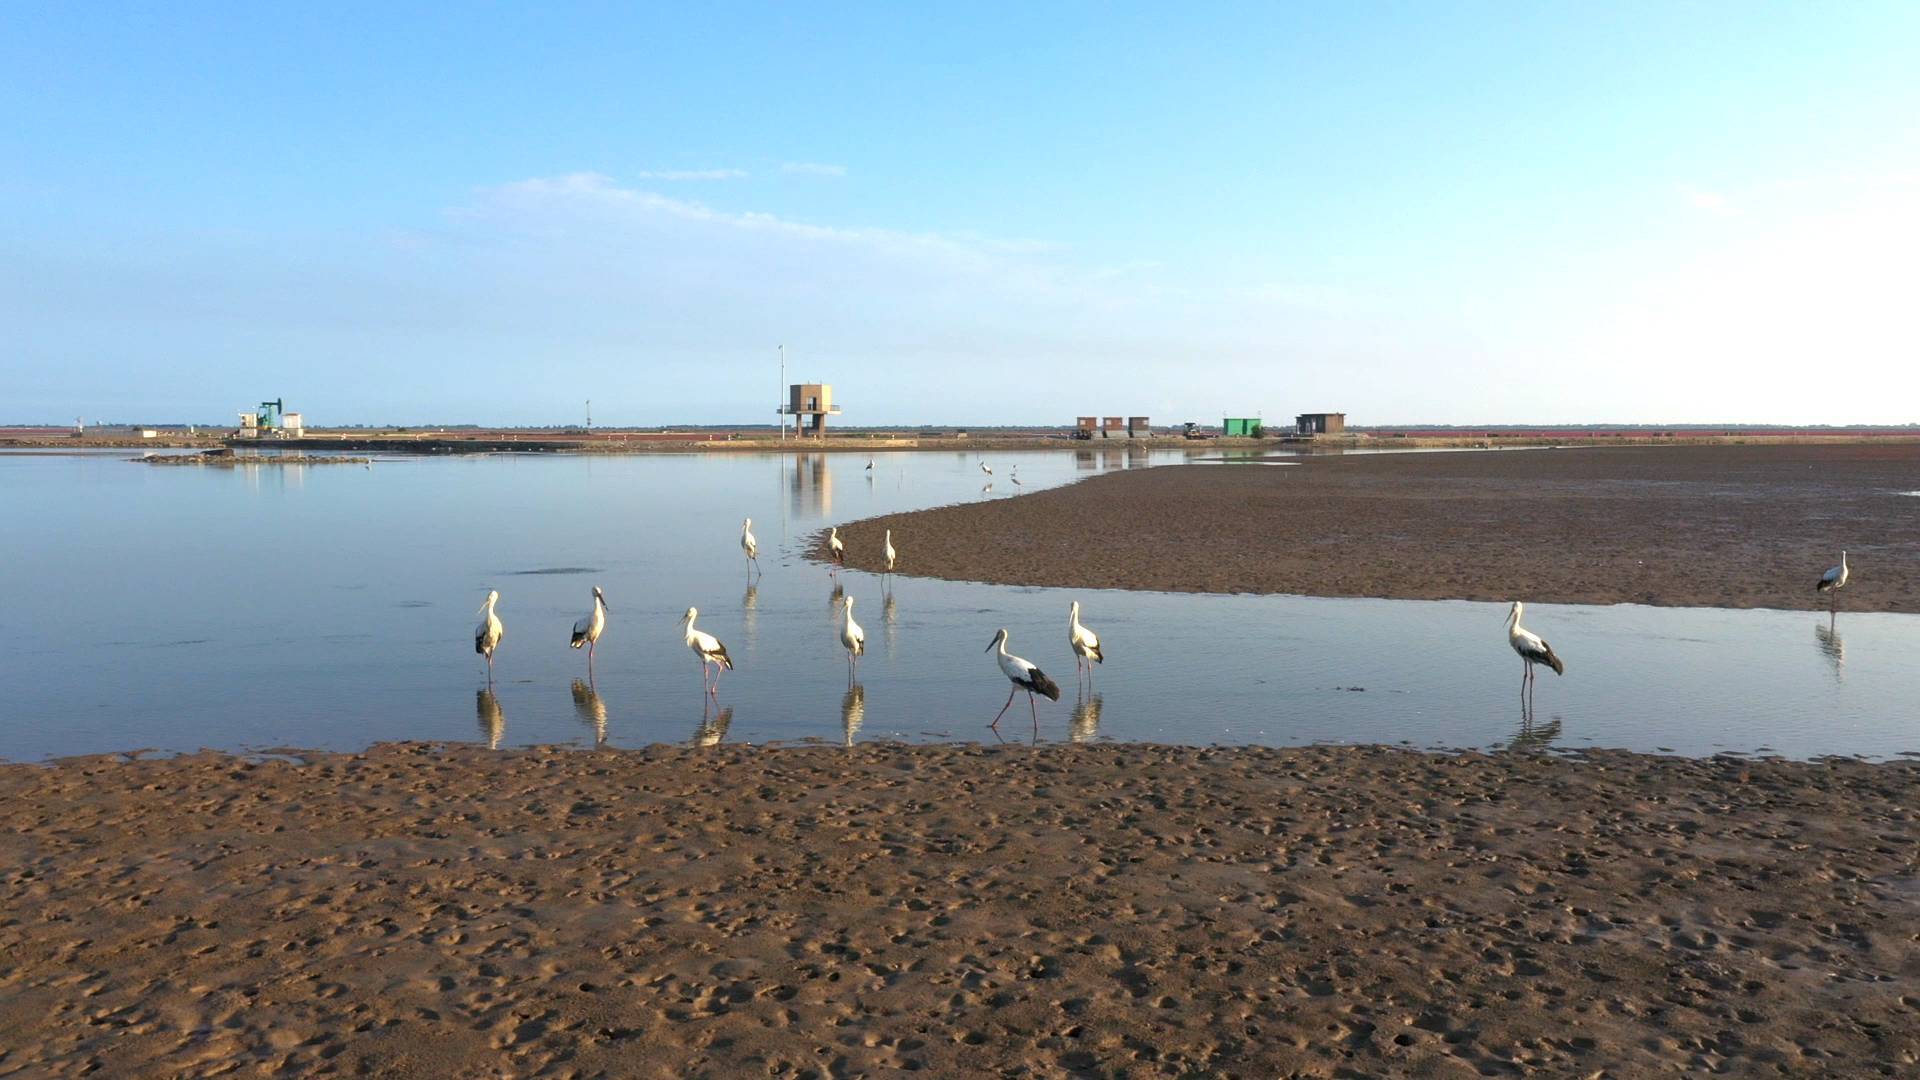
x=1239, y=427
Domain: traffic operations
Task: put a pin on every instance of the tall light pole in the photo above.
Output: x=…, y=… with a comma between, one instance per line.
x=783, y=390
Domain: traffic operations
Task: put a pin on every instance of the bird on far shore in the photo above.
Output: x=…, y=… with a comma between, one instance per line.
x=1532, y=650
x=1085, y=643
x=486, y=636
x=852, y=638
x=749, y=545
x=709, y=650
x=1833, y=581
x=587, y=628
x=1024, y=676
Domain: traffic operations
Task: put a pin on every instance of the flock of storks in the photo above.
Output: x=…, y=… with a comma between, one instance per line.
x=1023, y=674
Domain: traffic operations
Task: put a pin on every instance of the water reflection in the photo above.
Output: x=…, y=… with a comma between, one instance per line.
x=1832, y=645
x=592, y=709
x=1533, y=738
x=811, y=486
x=713, y=727
x=889, y=620
x=750, y=613
x=1084, y=726
x=493, y=721
x=853, y=712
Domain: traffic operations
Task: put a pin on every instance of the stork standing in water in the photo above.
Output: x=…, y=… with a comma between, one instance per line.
x=888, y=551
x=586, y=630
x=1832, y=582
x=1085, y=643
x=486, y=636
x=853, y=639
x=836, y=549
x=1024, y=676
x=1532, y=651
x=709, y=650
x=749, y=545
x=986, y=468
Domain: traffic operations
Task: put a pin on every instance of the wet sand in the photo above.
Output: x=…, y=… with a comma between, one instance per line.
x=1720, y=526
x=1061, y=911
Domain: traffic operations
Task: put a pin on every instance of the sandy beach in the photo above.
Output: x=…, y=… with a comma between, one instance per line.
x=1720, y=526
x=1067, y=911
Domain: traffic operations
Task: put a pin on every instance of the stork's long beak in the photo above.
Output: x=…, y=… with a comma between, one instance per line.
x=991, y=644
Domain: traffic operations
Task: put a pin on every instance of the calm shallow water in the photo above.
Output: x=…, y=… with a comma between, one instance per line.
x=333, y=607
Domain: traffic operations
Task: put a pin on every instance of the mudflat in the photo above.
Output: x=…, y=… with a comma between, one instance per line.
x=1717, y=526
x=1057, y=911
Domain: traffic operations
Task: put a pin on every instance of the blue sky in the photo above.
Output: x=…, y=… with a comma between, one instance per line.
x=1470, y=213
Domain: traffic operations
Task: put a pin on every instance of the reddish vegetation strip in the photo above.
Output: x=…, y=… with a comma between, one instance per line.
x=1100, y=911
x=1729, y=526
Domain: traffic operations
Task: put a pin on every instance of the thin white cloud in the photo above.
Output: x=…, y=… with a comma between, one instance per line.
x=1710, y=202
x=597, y=192
x=811, y=168
x=691, y=174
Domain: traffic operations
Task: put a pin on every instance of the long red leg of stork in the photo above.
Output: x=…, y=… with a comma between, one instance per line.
x=1003, y=709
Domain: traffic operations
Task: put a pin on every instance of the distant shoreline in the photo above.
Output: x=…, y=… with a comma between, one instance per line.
x=682, y=442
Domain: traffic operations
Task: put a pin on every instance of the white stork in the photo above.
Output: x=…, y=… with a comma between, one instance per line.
x=889, y=552
x=853, y=639
x=986, y=468
x=587, y=629
x=869, y=464
x=486, y=636
x=1532, y=650
x=709, y=650
x=1024, y=676
x=1015, y=477
x=1833, y=581
x=837, y=549
x=1085, y=643
x=749, y=545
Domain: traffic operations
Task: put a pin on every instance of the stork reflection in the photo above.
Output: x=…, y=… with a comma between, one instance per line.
x=713, y=727
x=889, y=621
x=1533, y=738
x=1832, y=645
x=592, y=709
x=1084, y=725
x=493, y=721
x=853, y=712
x=750, y=612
